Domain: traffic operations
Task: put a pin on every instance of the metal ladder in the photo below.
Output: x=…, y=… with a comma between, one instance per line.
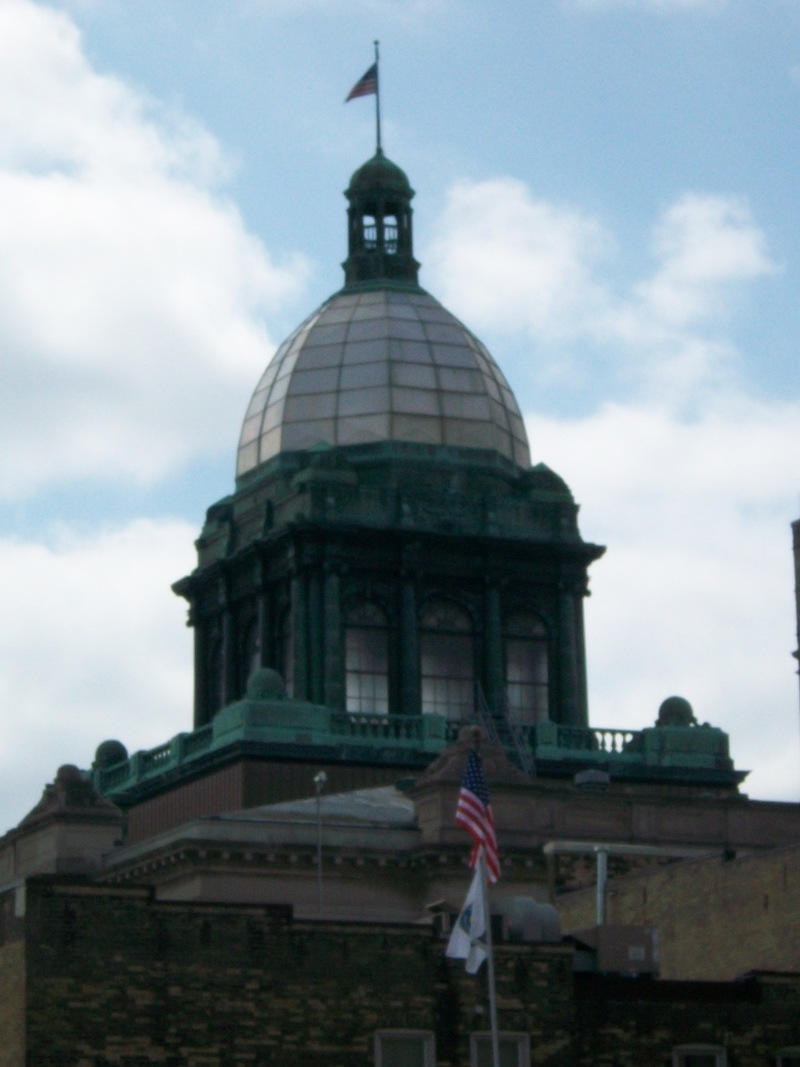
x=515, y=734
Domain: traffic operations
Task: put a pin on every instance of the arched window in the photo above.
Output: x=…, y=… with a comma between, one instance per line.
x=366, y=659
x=526, y=668
x=390, y=234
x=447, y=661
x=370, y=232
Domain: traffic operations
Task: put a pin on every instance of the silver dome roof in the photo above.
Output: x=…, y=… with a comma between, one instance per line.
x=381, y=365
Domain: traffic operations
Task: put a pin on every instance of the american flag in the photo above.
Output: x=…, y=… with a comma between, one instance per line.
x=474, y=813
x=367, y=84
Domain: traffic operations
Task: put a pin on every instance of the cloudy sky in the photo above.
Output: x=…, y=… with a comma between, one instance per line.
x=607, y=194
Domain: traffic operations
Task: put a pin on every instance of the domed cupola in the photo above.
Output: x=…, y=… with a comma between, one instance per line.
x=381, y=360
x=388, y=548
x=380, y=246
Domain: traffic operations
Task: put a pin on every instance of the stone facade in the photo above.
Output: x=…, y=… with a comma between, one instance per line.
x=115, y=977
x=12, y=1003
x=717, y=918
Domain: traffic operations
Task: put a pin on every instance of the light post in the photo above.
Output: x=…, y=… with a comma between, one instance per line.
x=320, y=778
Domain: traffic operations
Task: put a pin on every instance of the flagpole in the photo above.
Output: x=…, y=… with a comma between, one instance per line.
x=490, y=963
x=377, y=99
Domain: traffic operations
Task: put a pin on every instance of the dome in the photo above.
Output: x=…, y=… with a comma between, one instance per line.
x=381, y=360
x=379, y=173
x=382, y=364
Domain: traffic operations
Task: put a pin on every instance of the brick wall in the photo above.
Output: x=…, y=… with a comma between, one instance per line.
x=631, y=1023
x=571, y=871
x=116, y=978
x=12, y=984
x=12, y=1005
x=716, y=918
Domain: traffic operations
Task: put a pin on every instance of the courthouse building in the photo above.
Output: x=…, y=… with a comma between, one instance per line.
x=392, y=581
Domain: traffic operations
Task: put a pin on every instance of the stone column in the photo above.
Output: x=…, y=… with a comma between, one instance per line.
x=299, y=626
x=495, y=674
x=229, y=665
x=409, y=646
x=263, y=619
x=334, y=639
x=316, y=650
x=568, y=657
x=201, y=713
x=580, y=652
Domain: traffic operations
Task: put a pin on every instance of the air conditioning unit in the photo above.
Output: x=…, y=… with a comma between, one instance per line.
x=621, y=949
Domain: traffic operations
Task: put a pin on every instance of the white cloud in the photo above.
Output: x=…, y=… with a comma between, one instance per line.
x=689, y=480
x=129, y=317
x=703, y=244
x=694, y=595
x=93, y=644
x=517, y=264
x=129, y=322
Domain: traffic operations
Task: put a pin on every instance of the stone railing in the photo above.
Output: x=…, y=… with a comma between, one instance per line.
x=579, y=739
x=423, y=737
x=417, y=729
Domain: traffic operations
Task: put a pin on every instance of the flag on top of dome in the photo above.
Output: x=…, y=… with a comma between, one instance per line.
x=367, y=84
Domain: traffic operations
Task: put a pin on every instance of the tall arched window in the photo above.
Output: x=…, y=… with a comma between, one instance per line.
x=447, y=661
x=526, y=668
x=366, y=659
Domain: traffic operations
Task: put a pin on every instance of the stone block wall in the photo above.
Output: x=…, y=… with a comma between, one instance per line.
x=12, y=981
x=633, y=1023
x=717, y=918
x=116, y=978
x=12, y=1005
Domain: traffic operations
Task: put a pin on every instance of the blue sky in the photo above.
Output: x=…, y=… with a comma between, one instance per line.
x=607, y=194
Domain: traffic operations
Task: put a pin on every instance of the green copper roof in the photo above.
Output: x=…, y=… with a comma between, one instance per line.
x=379, y=174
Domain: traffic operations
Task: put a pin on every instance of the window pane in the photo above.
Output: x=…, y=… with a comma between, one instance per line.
x=509, y=1051
x=698, y=1057
x=367, y=663
x=415, y=375
x=421, y=428
x=526, y=679
x=364, y=375
x=403, y=1050
x=415, y=401
x=448, y=686
x=447, y=661
x=526, y=668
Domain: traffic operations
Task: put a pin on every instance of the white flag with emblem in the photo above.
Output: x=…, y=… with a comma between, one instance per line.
x=465, y=941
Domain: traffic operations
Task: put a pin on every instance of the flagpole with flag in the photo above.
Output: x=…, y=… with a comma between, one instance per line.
x=369, y=85
x=471, y=939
